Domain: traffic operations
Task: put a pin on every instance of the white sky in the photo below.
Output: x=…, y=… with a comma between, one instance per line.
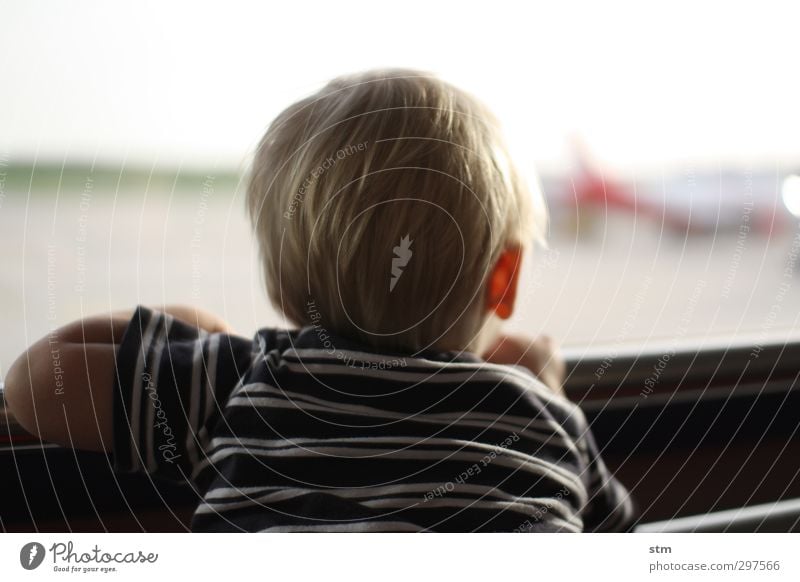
x=198, y=83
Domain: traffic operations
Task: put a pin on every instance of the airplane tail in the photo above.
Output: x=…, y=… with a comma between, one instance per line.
x=592, y=187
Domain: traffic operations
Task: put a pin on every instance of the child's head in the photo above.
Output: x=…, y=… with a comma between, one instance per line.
x=387, y=210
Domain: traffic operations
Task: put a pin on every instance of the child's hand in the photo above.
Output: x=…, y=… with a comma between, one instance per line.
x=540, y=355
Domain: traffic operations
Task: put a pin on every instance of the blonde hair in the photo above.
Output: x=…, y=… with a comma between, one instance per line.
x=381, y=204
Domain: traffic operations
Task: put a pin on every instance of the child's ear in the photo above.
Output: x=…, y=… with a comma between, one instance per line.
x=501, y=288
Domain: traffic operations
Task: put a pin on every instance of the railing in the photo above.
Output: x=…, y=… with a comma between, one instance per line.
x=782, y=516
x=708, y=428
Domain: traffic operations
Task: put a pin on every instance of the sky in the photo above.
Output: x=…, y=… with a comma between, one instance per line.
x=642, y=84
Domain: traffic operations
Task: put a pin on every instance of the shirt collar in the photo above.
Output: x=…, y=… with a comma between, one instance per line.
x=316, y=337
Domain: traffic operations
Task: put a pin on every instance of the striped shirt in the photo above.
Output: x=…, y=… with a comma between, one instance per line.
x=305, y=431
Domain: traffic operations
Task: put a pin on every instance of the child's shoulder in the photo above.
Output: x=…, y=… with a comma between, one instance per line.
x=462, y=375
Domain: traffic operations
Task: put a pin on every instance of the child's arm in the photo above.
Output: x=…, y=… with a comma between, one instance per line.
x=61, y=388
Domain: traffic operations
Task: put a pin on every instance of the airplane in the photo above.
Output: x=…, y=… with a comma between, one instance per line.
x=696, y=201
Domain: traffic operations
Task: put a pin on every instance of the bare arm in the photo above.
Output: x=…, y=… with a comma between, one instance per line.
x=61, y=389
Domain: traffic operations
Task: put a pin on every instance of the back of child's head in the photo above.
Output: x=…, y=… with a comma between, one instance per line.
x=381, y=204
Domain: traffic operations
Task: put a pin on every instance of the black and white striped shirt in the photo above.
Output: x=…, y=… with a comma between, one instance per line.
x=304, y=431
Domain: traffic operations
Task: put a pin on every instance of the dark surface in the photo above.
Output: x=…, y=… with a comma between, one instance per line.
x=718, y=431
x=54, y=489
